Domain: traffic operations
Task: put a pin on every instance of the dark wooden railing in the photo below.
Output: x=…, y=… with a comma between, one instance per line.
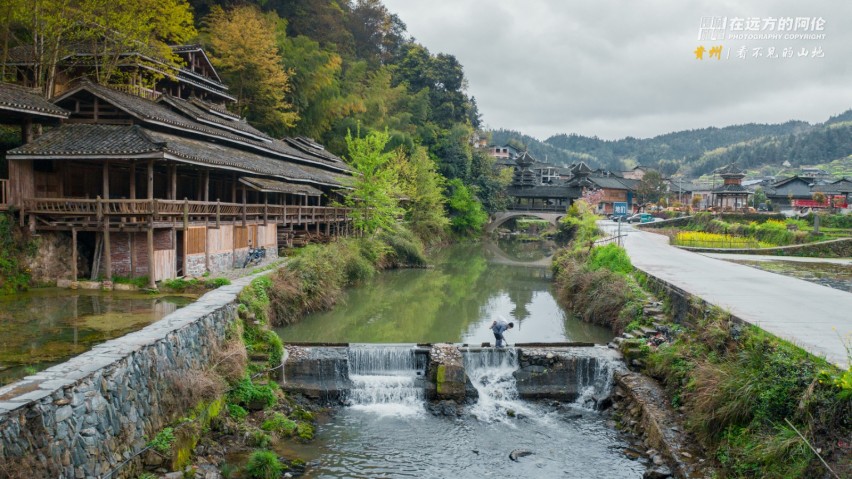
x=4, y=194
x=56, y=211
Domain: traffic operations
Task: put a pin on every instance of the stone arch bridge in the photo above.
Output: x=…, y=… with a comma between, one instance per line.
x=503, y=216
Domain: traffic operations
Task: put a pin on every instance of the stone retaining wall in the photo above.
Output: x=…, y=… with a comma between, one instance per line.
x=85, y=417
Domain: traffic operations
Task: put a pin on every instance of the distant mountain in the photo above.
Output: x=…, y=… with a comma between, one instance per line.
x=817, y=145
x=698, y=152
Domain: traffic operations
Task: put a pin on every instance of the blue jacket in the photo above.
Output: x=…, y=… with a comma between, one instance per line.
x=499, y=327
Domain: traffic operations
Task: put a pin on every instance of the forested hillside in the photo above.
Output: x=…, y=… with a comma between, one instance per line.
x=699, y=152
x=320, y=68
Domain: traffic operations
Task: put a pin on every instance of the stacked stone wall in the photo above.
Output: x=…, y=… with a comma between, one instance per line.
x=86, y=417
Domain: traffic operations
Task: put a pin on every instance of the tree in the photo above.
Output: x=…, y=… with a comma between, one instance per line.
x=423, y=187
x=374, y=195
x=51, y=30
x=316, y=92
x=466, y=214
x=759, y=196
x=651, y=187
x=242, y=44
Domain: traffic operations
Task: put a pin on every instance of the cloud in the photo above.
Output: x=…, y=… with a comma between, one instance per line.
x=615, y=68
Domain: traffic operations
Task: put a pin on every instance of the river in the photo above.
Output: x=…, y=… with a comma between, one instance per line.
x=393, y=435
x=454, y=301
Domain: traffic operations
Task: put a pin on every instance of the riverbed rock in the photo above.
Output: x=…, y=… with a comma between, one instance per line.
x=659, y=472
x=519, y=453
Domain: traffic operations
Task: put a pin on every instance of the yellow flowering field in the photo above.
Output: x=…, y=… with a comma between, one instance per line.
x=713, y=240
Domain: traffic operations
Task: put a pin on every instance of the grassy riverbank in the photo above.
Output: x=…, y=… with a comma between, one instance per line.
x=238, y=421
x=759, y=406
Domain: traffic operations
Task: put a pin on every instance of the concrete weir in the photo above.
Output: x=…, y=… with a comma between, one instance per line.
x=562, y=371
x=88, y=416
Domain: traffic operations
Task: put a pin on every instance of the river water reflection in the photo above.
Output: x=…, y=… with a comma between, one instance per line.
x=454, y=301
x=46, y=326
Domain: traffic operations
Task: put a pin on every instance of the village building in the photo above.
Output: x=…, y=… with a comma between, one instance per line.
x=790, y=192
x=165, y=182
x=537, y=187
x=731, y=195
x=607, y=191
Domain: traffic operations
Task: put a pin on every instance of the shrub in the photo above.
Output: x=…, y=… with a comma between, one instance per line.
x=163, y=441
x=305, y=431
x=237, y=412
x=15, y=247
x=611, y=257
x=247, y=394
x=260, y=439
x=264, y=465
x=279, y=424
x=217, y=282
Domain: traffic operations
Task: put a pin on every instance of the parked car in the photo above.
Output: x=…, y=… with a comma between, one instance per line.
x=641, y=218
x=617, y=217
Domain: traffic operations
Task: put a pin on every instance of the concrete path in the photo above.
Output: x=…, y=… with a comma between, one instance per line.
x=817, y=318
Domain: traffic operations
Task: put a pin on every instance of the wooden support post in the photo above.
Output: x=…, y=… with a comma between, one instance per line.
x=244, y=206
x=133, y=180
x=107, y=257
x=218, y=214
x=131, y=243
x=265, y=209
x=151, y=283
x=105, y=192
x=73, y=255
x=234, y=188
x=150, y=179
x=185, y=214
x=172, y=182
x=206, y=196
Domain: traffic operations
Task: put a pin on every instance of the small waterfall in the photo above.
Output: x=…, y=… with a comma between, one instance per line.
x=490, y=372
x=385, y=379
x=594, y=380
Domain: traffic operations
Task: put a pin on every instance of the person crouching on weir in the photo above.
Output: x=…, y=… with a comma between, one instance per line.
x=498, y=327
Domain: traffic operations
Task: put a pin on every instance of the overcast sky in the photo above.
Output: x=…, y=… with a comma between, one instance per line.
x=616, y=68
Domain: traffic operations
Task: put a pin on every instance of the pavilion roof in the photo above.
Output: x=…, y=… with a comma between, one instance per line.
x=16, y=100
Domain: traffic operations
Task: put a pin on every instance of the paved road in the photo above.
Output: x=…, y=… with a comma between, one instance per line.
x=812, y=316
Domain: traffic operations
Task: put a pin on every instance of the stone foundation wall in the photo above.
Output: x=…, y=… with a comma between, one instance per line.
x=84, y=417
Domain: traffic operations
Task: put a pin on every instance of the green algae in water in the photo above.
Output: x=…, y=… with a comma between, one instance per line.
x=44, y=327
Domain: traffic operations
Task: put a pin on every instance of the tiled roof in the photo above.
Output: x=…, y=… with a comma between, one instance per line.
x=731, y=189
x=24, y=100
x=88, y=140
x=215, y=154
x=82, y=140
x=152, y=112
x=200, y=115
x=610, y=182
x=274, y=186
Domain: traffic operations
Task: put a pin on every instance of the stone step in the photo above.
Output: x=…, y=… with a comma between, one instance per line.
x=648, y=332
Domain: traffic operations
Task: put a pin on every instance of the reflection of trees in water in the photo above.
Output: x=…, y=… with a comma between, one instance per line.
x=526, y=250
x=432, y=305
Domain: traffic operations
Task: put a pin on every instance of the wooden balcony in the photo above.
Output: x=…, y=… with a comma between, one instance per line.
x=138, y=215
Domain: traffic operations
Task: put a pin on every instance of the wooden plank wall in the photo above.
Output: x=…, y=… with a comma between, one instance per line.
x=220, y=240
x=195, y=240
x=164, y=264
x=20, y=181
x=267, y=235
